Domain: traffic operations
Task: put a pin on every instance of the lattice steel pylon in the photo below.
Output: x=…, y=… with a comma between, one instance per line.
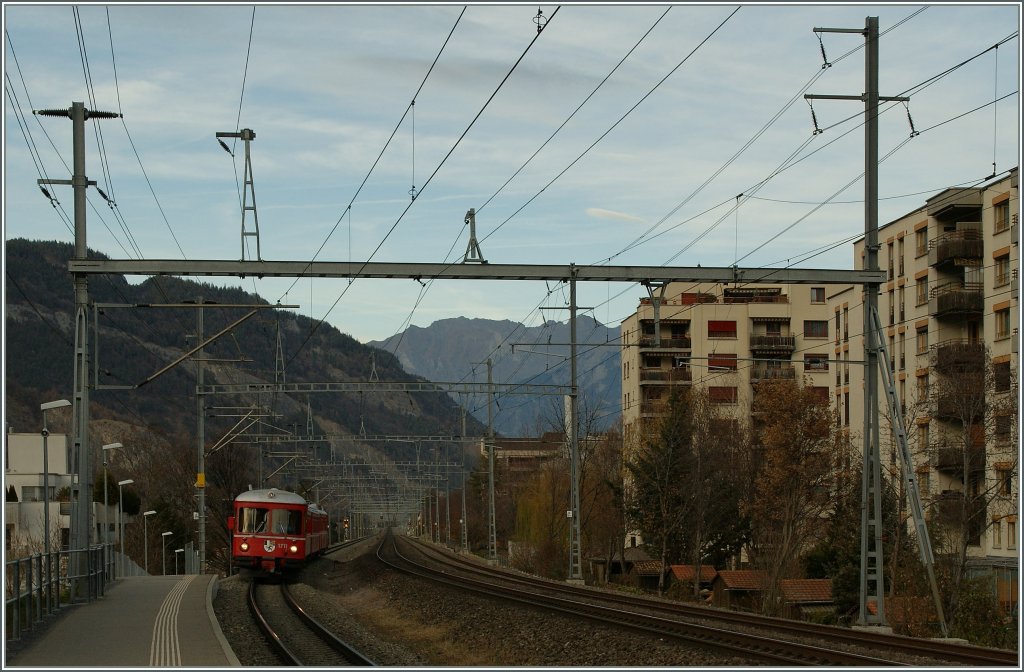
x=247, y=135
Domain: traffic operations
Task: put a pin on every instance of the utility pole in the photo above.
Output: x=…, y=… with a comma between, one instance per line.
x=492, y=542
x=575, y=561
x=247, y=135
x=80, y=464
x=201, y=440
x=872, y=575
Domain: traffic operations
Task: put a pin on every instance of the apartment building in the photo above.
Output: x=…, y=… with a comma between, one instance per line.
x=950, y=314
x=726, y=338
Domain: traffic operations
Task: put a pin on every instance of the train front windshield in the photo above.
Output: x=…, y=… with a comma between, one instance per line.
x=253, y=520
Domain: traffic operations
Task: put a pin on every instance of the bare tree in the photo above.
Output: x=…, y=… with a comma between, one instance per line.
x=973, y=452
x=799, y=459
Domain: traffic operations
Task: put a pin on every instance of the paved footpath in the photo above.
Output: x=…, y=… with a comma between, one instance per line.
x=151, y=621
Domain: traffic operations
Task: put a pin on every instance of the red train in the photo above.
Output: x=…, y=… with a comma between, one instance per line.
x=275, y=531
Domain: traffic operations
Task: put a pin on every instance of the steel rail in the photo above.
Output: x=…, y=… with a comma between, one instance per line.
x=759, y=647
x=948, y=652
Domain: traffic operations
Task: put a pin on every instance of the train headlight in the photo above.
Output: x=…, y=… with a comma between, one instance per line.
x=293, y=548
x=244, y=546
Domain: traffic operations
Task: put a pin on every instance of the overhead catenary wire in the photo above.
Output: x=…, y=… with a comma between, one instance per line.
x=428, y=180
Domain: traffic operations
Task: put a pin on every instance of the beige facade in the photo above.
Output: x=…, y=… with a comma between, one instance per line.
x=951, y=294
x=951, y=299
x=726, y=338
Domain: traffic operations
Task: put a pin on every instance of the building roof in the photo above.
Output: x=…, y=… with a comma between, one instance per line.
x=687, y=572
x=806, y=590
x=647, y=568
x=743, y=579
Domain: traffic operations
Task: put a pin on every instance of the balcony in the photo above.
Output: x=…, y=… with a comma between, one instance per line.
x=679, y=375
x=952, y=509
x=675, y=343
x=955, y=299
x=963, y=403
x=761, y=372
x=766, y=343
x=961, y=248
x=958, y=356
x=1014, y=231
x=951, y=458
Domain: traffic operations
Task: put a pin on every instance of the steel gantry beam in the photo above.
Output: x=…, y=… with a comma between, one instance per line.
x=380, y=386
x=416, y=271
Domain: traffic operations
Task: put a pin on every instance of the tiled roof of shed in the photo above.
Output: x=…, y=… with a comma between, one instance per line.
x=743, y=579
x=647, y=568
x=687, y=572
x=806, y=590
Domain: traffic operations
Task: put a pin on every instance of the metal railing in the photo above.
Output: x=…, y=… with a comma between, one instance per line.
x=42, y=584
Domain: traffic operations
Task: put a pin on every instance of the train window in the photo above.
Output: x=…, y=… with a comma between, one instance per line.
x=252, y=520
x=286, y=522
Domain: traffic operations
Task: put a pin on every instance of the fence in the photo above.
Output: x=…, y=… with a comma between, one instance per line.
x=42, y=584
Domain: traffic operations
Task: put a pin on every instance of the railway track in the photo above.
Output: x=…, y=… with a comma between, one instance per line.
x=755, y=647
x=942, y=653
x=296, y=637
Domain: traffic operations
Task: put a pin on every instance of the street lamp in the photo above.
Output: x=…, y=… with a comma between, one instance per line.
x=163, y=550
x=120, y=517
x=176, y=551
x=106, y=514
x=50, y=405
x=145, y=537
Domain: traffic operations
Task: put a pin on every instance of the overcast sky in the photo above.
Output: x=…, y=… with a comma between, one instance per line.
x=324, y=87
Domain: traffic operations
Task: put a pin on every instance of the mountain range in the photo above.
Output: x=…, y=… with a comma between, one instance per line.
x=456, y=350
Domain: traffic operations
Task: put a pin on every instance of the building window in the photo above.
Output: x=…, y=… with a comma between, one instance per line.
x=1003, y=323
x=721, y=328
x=1011, y=532
x=903, y=351
x=1002, y=270
x=846, y=409
x=722, y=395
x=722, y=363
x=922, y=388
x=921, y=242
x=901, y=251
x=817, y=295
x=922, y=482
x=846, y=367
x=903, y=310
x=1002, y=215
x=1001, y=376
x=821, y=394
x=846, y=324
x=892, y=307
x=922, y=435
x=892, y=258
x=1003, y=424
x=815, y=328
x=922, y=291
x=815, y=362
x=922, y=340
x=997, y=531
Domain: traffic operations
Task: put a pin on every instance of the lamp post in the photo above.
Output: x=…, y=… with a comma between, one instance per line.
x=176, y=551
x=163, y=550
x=145, y=537
x=106, y=511
x=60, y=403
x=120, y=517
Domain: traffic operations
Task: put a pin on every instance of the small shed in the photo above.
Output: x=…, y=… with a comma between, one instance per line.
x=805, y=598
x=623, y=563
x=738, y=588
x=647, y=573
x=684, y=574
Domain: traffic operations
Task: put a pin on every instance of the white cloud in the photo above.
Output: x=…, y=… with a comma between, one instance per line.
x=601, y=213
